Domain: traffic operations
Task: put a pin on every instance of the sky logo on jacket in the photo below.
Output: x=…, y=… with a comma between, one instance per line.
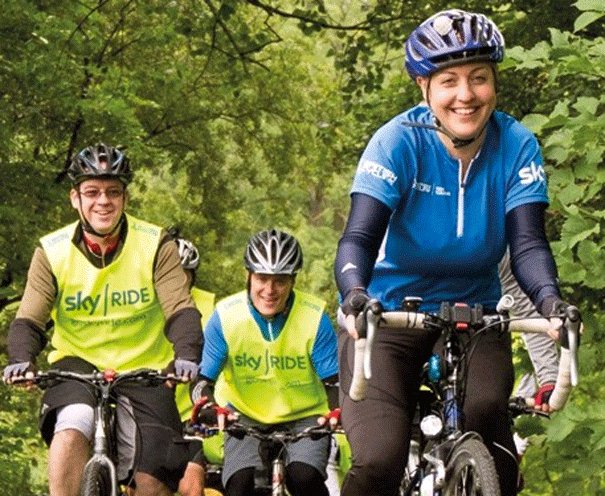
x=532, y=173
x=270, y=361
x=90, y=304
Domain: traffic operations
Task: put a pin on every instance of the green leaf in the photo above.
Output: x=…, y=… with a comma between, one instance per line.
x=535, y=122
x=592, y=257
x=585, y=19
x=558, y=38
x=577, y=229
x=590, y=5
x=598, y=437
x=559, y=428
x=561, y=110
x=587, y=105
x=570, y=193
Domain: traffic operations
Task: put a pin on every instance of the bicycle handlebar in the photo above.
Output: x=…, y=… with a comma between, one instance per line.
x=239, y=430
x=280, y=436
x=150, y=376
x=375, y=318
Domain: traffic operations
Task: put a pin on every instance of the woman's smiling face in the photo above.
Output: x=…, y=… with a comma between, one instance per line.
x=462, y=97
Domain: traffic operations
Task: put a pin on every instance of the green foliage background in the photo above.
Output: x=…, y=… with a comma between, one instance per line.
x=240, y=115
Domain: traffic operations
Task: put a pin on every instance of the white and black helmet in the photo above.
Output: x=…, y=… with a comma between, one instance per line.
x=273, y=252
x=190, y=257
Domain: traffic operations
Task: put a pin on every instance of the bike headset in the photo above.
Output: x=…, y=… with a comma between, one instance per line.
x=99, y=161
x=273, y=252
x=448, y=38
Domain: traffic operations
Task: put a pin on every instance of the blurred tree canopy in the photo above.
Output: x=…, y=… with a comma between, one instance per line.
x=240, y=115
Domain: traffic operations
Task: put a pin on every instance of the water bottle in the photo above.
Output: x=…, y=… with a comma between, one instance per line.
x=434, y=369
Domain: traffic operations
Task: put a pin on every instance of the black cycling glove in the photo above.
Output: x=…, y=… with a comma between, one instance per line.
x=354, y=301
x=553, y=306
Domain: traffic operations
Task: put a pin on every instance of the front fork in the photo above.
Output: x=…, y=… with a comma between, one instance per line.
x=277, y=478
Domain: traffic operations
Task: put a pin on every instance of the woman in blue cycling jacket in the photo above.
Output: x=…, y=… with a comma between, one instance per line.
x=439, y=193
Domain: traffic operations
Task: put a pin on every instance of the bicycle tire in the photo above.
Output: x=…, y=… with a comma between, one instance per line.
x=471, y=471
x=96, y=479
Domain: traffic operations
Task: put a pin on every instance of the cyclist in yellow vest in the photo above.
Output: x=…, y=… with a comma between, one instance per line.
x=277, y=350
x=192, y=482
x=119, y=298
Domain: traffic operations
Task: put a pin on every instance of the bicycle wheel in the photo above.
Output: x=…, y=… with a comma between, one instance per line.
x=96, y=480
x=471, y=471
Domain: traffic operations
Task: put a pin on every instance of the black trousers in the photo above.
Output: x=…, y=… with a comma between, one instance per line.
x=379, y=427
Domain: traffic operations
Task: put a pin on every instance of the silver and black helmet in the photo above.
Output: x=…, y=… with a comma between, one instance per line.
x=273, y=252
x=99, y=161
x=190, y=257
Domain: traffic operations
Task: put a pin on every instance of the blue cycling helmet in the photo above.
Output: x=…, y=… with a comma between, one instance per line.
x=449, y=38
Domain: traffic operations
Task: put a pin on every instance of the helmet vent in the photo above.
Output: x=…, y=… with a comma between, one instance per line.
x=426, y=42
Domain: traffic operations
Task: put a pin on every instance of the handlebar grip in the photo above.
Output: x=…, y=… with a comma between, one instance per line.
x=562, y=389
x=359, y=385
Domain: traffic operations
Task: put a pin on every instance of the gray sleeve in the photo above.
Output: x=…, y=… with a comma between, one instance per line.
x=541, y=348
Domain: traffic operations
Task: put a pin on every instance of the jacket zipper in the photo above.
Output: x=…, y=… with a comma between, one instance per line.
x=461, y=190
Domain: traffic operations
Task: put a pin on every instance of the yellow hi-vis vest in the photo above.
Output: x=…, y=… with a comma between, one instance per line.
x=272, y=382
x=108, y=316
x=204, y=301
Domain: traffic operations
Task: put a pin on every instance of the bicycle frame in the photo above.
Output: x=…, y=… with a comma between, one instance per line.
x=101, y=447
x=441, y=407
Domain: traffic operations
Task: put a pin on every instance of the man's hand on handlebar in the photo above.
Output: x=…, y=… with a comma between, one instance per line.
x=182, y=370
x=208, y=413
x=331, y=419
x=18, y=373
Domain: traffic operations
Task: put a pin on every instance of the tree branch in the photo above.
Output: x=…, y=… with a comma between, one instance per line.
x=364, y=25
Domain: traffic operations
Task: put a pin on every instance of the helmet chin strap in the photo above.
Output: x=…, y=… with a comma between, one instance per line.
x=457, y=142
x=87, y=227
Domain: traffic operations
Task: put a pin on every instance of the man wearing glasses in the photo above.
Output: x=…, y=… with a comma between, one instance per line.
x=114, y=287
